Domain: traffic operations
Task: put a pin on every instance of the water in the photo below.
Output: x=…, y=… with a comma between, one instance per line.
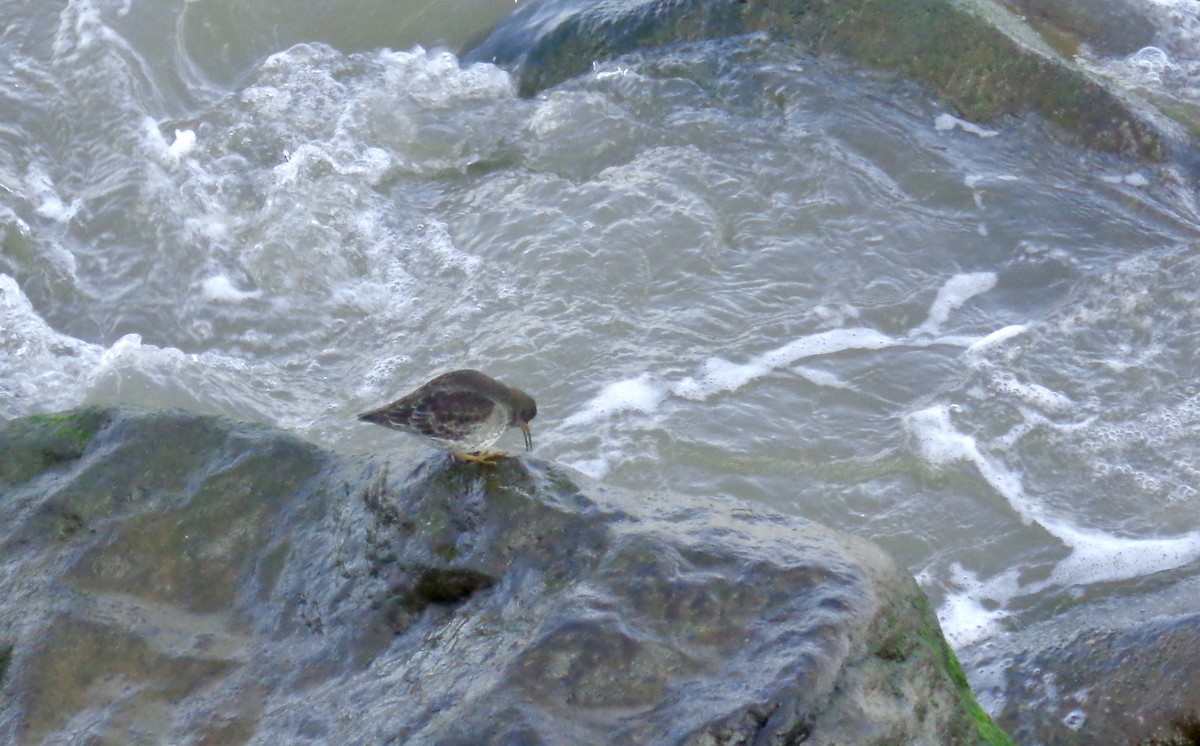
x=724, y=269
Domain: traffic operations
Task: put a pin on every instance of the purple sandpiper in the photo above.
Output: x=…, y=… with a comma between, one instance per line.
x=463, y=411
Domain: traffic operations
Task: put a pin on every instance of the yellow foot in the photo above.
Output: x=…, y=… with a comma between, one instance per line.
x=487, y=458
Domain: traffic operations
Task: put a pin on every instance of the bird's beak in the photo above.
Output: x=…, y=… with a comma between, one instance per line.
x=528, y=436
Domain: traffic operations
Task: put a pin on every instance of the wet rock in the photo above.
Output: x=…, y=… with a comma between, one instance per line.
x=175, y=578
x=1112, y=28
x=1131, y=684
x=981, y=57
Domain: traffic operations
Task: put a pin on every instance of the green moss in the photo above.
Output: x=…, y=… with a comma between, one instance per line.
x=5, y=660
x=37, y=443
x=983, y=71
x=989, y=732
x=1183, y=113
x=899, y=642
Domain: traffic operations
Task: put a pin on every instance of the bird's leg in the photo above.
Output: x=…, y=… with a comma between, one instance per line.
x=487, y=458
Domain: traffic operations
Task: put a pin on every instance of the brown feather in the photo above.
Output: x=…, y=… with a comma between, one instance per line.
x=459, y=409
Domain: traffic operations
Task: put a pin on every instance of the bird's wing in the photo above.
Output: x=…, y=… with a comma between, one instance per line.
x=452, y=413
x=445, y=413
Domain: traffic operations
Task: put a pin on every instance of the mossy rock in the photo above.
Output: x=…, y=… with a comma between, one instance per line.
x=982, y=58
x=196, y=579
x=34, y=444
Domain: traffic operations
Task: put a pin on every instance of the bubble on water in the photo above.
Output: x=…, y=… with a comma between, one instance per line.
x=1031, y=393
x=1075, y=719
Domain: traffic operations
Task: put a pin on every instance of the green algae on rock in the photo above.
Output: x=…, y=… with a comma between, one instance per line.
x=31, y=445
x=977, y=54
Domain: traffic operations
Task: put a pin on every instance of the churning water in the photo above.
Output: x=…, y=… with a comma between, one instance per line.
x=724, y=269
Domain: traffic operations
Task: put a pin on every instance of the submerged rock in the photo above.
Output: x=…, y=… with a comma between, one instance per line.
x=981, y=57
x=176, y=578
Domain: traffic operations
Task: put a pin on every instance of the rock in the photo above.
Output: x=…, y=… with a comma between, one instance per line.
x=176, y=578
x=1113, y=28
x=981, y=57
x=1126, y=677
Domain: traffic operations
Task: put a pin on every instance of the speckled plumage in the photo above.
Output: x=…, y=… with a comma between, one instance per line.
x=463, y=411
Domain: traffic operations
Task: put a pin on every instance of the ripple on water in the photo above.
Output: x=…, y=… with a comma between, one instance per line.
x=720, y=270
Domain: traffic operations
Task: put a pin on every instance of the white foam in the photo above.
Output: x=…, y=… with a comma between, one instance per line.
x=720, y=375
x=645, y=394
x=997, y=337
x=156, y=145
x=969, y=612
x=50, y=204
x=953, y=294
x=1134, y=179
x=128, y=352
x=297, y=161
x=185, y=140
x=975, y=181
x=441, y=244
x=1099, y=557
x=221, y=288
x=41, y=367
x=436, y=79
x=939, y=442
x=948, y=122
x=641, y=394
x=617, y=72
x=1148, y=65
x=1034, y=394
x=821, y=377
x=1095, y=556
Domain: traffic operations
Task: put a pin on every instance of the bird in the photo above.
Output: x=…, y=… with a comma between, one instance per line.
x=463, y=411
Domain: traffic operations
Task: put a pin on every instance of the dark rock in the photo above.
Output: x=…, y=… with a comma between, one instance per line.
x=1136, y=685
x=39, y=442
x=175, y=578
x=1112, y=28
x=978, y=55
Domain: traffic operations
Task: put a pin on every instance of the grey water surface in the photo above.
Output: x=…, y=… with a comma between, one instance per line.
x=725, y=269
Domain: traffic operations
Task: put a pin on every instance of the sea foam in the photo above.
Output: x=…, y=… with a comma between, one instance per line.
x=948, y=122
x=997, y=337
x=641, y=394
x=720, y=375
x=221, y=288
x=953, y=295
x=37, y=363
x=646, y=393
x=1094, y=556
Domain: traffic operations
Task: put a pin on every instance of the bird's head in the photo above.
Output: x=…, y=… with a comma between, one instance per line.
x=523, y=412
